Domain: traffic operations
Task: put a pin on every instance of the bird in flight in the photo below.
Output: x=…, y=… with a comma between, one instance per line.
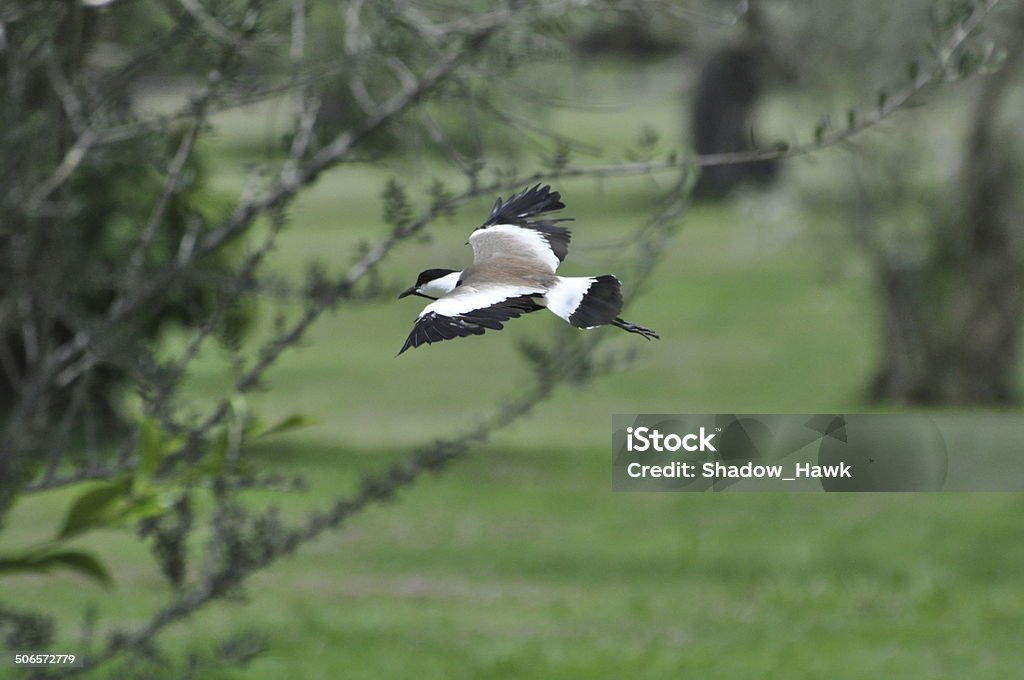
x=515, y=255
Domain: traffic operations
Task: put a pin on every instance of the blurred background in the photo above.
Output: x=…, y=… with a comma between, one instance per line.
x=187, y=182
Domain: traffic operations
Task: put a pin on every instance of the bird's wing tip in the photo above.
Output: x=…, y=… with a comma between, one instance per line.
x=407, y=345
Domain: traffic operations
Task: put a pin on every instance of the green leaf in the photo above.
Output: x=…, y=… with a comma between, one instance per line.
x=292, y=422
x=42, y=561
x=94, y=508
x=84, y=563
x=148, y=505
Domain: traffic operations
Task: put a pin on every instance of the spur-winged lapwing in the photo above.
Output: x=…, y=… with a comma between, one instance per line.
x=515, y=255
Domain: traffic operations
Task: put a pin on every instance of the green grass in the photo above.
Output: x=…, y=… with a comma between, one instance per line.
x=519, y=562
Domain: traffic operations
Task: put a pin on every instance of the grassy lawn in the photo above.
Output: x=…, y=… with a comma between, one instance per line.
x=519, y=562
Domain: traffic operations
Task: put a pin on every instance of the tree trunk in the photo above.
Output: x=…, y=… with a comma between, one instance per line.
x=953, y=324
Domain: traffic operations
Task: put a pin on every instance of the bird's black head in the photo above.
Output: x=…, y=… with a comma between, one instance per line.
x=432, y=274
x=423, y=286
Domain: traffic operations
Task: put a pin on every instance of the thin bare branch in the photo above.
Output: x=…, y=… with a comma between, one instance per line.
x=69, y=100
x=72, y=159
x=172, y=183
x=214, y=28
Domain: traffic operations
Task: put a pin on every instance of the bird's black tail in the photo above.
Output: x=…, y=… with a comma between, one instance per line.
x=600, y=303
x=618, y=322
x=597, y=300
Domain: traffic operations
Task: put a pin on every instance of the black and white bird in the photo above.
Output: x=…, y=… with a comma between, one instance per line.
x=515, y=255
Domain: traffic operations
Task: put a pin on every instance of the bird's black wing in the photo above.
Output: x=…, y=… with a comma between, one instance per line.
x=447, y=321
x=524, y=210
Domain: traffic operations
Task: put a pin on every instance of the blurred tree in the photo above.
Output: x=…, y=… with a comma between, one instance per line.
x=947, y=249
x=953, y=319
x=75, y=221
x=937, y=213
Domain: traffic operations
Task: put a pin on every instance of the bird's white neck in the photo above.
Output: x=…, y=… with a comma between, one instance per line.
x=438, y=288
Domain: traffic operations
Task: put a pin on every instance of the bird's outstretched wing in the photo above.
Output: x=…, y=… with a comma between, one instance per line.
x=470, y=311
x=515, y=229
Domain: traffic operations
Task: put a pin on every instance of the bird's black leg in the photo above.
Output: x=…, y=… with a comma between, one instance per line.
x=635, y=328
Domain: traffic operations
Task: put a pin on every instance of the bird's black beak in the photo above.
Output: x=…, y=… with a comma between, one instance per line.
x=411, y=290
